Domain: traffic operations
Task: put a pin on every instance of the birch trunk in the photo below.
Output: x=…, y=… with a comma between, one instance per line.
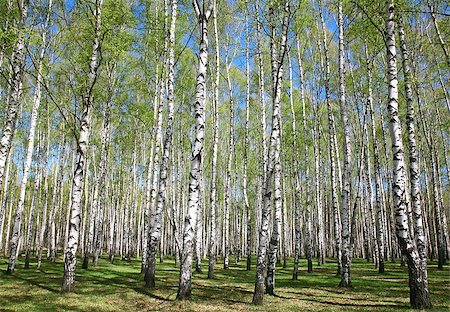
x=246, y=146
x=308, y=237
x=420, y=281
x=438, y=230
x=4, y=202
x=17, y=64
x=151, y=169
x=82, y=142
x=438, y=32
x=155, y=177
x=91, y=209
x=318, y=187
x=27, y=164
x=185, y=282
x=377, y=172
x=102, y=174
x=57, y=194
x=418, y=293
x=43, y=225
x=273, y=169
x=262, y=178
x=29, y=236
x=297, y=191
x=332, y=150
x=346, y=187
x=227, y=191
x=213, y=197
x=155, y=232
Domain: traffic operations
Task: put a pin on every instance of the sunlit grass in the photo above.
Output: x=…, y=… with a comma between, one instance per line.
x=119, y=287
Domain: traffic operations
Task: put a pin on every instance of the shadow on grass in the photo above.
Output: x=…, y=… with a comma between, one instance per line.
x=122, y=286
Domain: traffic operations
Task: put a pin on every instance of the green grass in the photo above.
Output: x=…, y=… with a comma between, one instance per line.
x=119, y=287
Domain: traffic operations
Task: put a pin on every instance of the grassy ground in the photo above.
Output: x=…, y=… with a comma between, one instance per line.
x=119, y=287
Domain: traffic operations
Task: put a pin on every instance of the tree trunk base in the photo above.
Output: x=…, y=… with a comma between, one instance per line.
x=211, y=264
x=149, y=278
x=258, y=295
x=310, y=266
x=184, y=292
x=27, y=260
x=85, y=262
x=68, y=284
x=381, y=268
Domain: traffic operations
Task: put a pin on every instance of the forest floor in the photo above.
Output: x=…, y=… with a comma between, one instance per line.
x=119, y=287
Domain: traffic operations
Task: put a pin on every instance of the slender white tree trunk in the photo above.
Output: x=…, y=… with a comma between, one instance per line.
x=4, y=202
x=297, y=190
x=213, y=197
x=346, y=187
x=155, y=231
x=332, y=151
x=34, y=199
x=28, y=158
x=185, y=282
x=407, y=245
x=262, y=104
x=17, y=63
x=308, y=226
x=377, y=172
x=246, y=146
x=82, y=142
x=438, y=32
x=156, y=156
x=227, y=191
x=273, y=169
x=43, y=225
x=420, y=281
x=57, y=194
x=102, y=174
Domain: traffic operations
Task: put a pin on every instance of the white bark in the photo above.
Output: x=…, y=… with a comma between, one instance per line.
x=297, y=191
x=185, y=282
x=262, y=104
x=46, y=194
x=346, y=187
x=227, y=191
x=30, y=148
x=101, y=179
x=155, y=231
x=246, y=146
x=377, y=172
x=155, y=177
x=213, y=197
x=422, y=278
x=273, y=169
x=332, y=151
x=37, y=182
x=407, y=245
x=17, y=63
x=82, y=142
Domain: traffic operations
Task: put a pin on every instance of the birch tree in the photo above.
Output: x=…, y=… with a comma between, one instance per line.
x=70, y=261
x=155, y=231
x=203, y=13
x=345, y=197
x=17, y=64
x=213, y=197
x=419, y=297
x=273, y=165
x=31, y=138
x=422, y=298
